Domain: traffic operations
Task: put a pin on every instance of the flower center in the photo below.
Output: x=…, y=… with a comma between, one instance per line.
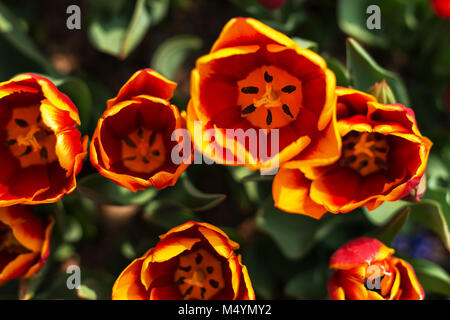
x=379, y=278
x=199, y=275
x=270, y=97
x=365, y=152
x=143, y=150
x=10, y=248
x=28, y=138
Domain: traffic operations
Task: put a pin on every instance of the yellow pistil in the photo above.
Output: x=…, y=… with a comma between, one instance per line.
x=143, y=150
x=365, y=152
x=29, y=139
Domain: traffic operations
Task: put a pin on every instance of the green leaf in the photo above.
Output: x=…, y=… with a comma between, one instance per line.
x=86, y=293
x=80, y=95
x=105, y=191
x=295, y=234
x=437, y=173
x=29, y=287
x=429, y=214
x=119, y=36
x=256, y=177
x=14, y=32
x=352, y=19
x=366, y=72
x=309, y=284
x=172, y=53
x=385, y=212
x=63, y=252
x=432, y=277
x=168, y=214
x=306, y=44
x=342, y=74
x=261, y=277
x=73, y=232
x=208, y=200
x=393, y=227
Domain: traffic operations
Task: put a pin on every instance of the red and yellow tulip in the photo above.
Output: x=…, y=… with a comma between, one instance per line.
x=191, y=261
x=256, y=78
x=42, y=148
x=132, y=142
x=24, y=242
x=383, y=158
x=366, y=270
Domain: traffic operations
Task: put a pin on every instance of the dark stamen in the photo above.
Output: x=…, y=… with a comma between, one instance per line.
x=209, y=270
x=381, y=149
x=269, y=117
x=363, y=164
x=152, y=138
x=214, y=283
x=202, y=292
x=289, y=89
x=347, y=161
x=267, y=77
x=349, y=145
x=187, y=292
x=130, y=158
x=39, y=118
x=185, y=269
x=287, y=110
x=129, y=142
x=145, y=160
x=21, y=123
x=140, y=132
x=180, y=281
x=198, y=258
x=10, y=142
x=44, y=153
x=250, y=90
x=155, y=153
x=249, y=109
x=27, y=151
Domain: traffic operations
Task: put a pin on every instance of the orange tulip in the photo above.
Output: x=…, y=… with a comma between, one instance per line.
x=192, y=261
x=132, y=142
x=366, y=270
x=24, y=242
x=383, y=158
x=42, y=148
x=256, y=79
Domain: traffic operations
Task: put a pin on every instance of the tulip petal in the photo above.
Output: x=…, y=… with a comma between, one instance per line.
x=336, y=189
x=145, y=82
x=165, y=293
x=409, y=285
x=127, y=285
x=361, y=251
x=171, y=247
x=249, y=31
x=290, y=192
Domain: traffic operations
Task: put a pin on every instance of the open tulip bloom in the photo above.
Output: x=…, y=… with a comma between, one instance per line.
x=257, y=100
x=366, y=270
x=191, y=261
x=42, y=148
